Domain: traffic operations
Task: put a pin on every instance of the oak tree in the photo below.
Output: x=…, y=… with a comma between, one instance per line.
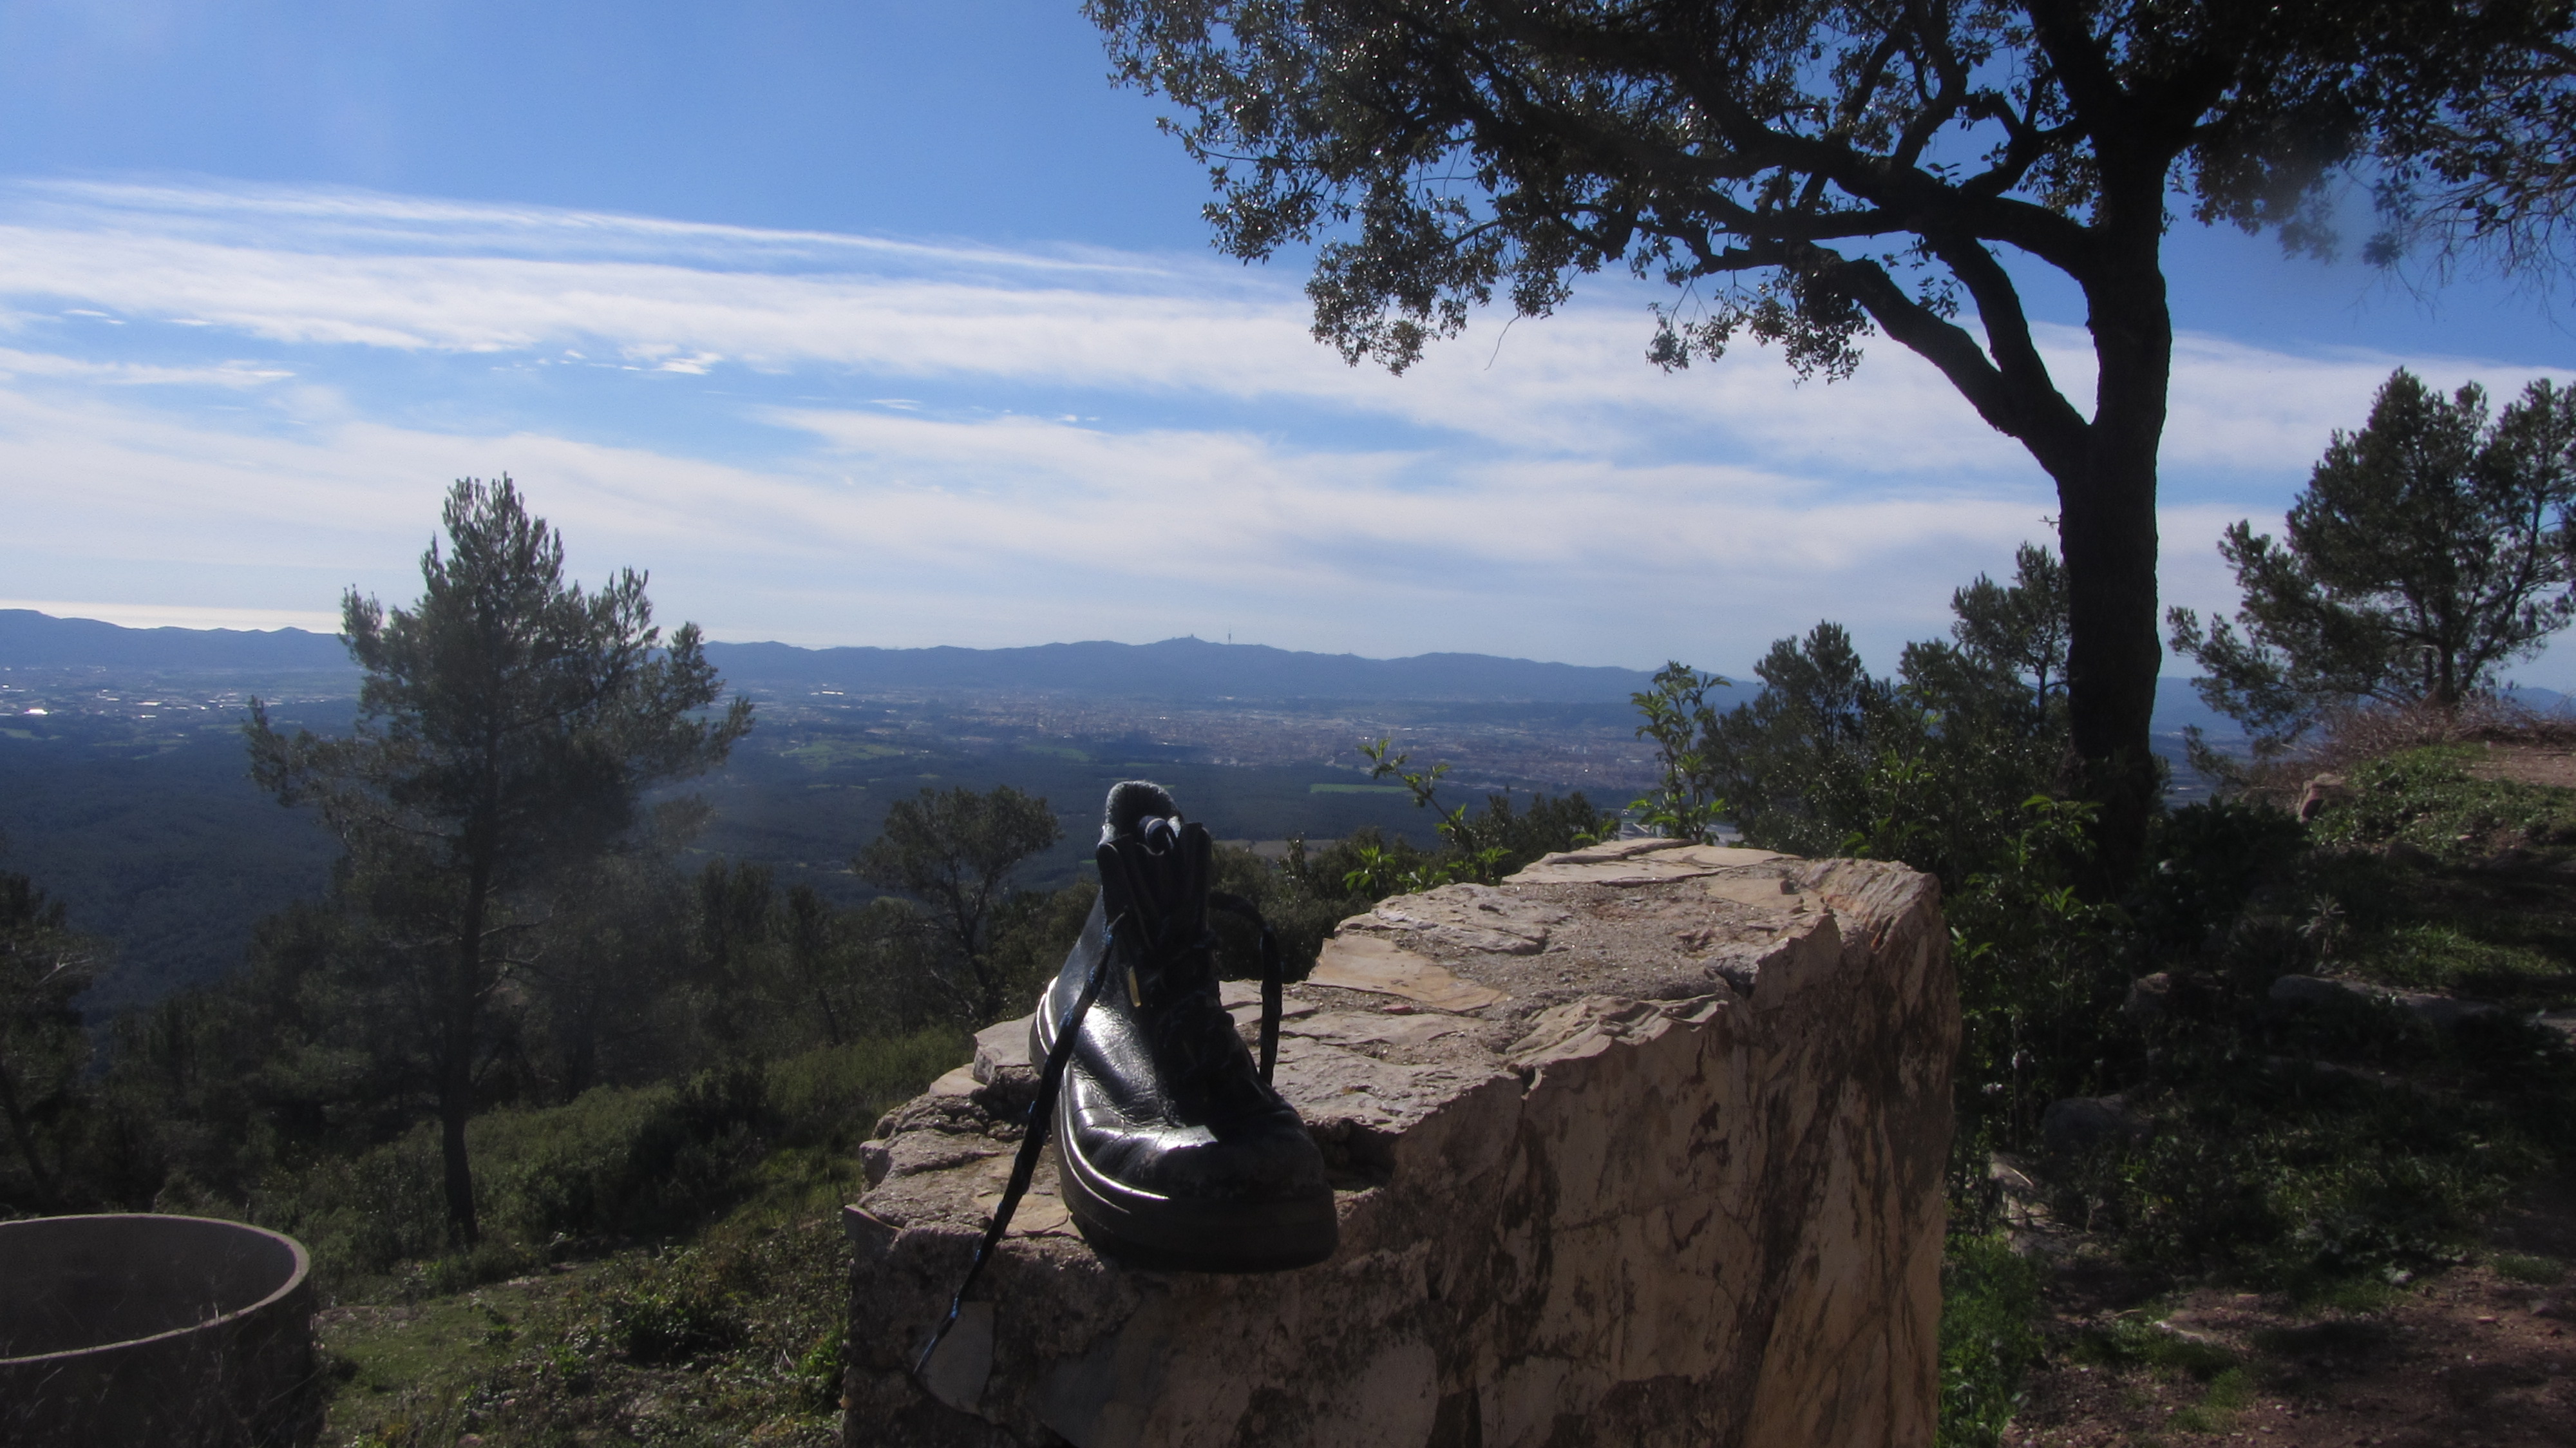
x=955, y=851
x=1806, y=172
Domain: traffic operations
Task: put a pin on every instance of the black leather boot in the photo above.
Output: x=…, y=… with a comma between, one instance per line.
x=1174, y=1151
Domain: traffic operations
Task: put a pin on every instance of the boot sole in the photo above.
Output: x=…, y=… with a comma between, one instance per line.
x=1171, y=1234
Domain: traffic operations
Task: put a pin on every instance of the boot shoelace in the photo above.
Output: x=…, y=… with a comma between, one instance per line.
x=1051, y=1081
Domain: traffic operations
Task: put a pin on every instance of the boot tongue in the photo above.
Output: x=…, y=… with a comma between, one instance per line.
x=1158, y=878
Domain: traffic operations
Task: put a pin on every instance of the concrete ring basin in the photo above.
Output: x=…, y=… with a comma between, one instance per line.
x=146, y=1329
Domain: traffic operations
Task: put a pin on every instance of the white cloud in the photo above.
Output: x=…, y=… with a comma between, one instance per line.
x=374, y=276
x=1538, y=491
x=14, y=364
x=152, y=615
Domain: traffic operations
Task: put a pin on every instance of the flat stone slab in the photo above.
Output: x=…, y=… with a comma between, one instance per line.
x=1643, y=1146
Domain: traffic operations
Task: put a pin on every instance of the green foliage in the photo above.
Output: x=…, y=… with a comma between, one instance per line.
x=2133, y=1340
x=1930, y=769
x=1033, y=931
x=652, y=1162
x=507, y=727
x=733, y=1338
x=955, y=851
x=2427, y=551
x=1685, y=804
x=2210, y=858
x=1481, y=847
x=2427, y=799
x=2300, y=1179
x=43, y=969
x=671, y=1324
x=1989, y=1296
x=2526, y=1268
x=2040, y=980
x=2228, y=1393
x=1431, y=154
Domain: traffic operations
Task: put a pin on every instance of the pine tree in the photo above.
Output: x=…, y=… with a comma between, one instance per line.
x=508, y=725
x=2428, y=550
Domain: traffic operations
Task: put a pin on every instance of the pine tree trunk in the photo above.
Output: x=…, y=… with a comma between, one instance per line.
x=456, y=1068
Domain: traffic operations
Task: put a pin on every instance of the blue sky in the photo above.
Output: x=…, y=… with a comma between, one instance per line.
x=896, y=325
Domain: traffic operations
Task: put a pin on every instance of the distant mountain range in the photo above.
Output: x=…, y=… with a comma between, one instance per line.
x=29, y=639
x=1182, y=669
x=1178, y=669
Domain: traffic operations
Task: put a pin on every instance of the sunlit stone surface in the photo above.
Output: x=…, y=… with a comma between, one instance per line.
x=1644, y=1146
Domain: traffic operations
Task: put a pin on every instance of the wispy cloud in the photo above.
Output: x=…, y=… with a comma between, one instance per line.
x=1059, y=443
x=15, y=364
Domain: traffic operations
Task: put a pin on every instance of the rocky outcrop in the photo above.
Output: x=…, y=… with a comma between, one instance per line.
x=1643, y=1146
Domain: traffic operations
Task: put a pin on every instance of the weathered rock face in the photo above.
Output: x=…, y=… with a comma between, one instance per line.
x=1644, y=1146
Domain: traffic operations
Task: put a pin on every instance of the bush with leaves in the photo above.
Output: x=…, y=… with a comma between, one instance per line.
x=44, y=967
x=1929, y=768
x=954, y=852
x=1480, y=846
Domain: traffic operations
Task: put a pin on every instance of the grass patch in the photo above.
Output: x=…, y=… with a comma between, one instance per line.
x=733, y=1339
x=2427, y=798
x=2524, y=1267
x=1989, y=1296
x=2132, y=1341
x=2359, y=1296
x=732, y=1335
x=2482, y=959
x=614, y=1166
x=2306, y=1182
x=2441, y=881
x=2227, y=1395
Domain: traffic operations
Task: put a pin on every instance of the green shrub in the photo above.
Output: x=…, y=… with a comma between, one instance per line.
x=832, y=1097
x=1989, y=1294
x=671, y=1324
x=614, y=1162
x=2299, y=1179
x=617, y=1161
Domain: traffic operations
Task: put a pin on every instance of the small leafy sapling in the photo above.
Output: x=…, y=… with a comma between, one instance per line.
x=1478, y=858
x=1686, y=805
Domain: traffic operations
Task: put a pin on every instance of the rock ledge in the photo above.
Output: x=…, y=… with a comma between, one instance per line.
x=1643, y=1146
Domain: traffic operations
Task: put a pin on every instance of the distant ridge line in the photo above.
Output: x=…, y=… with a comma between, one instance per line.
x=1178, y=668
x=29, y=639
x=1185, y=668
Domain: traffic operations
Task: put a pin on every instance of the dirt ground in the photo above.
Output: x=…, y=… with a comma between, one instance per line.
x=2474, y=1355
x=2529, y=764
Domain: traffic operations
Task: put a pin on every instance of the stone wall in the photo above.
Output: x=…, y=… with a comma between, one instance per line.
x=1644, y=1146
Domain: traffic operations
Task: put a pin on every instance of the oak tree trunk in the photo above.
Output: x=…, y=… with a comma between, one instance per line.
x=2107, y=534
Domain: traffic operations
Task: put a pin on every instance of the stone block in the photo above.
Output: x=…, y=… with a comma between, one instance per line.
x=1643, y=1146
